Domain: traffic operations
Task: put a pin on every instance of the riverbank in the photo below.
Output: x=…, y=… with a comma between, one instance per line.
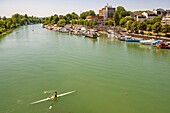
x=5, y=33
x=104, y=30
x=111, y=32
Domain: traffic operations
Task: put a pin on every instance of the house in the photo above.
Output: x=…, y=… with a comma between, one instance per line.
x=99, y=19
x=166, y=20
x=107, y=12
x=167, y=12
x=161, y=12
x=140, y=18
x=149, y=15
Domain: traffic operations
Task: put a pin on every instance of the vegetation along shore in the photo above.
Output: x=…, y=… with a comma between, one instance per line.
x=115, y=22
x=8, y=24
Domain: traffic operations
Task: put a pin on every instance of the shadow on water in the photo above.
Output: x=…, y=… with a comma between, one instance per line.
x=137, y=47
x=91, y=39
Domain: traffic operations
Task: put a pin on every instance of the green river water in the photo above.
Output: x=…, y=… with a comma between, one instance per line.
x=109, y=76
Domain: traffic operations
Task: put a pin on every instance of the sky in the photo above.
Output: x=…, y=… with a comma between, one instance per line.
x=44, y=8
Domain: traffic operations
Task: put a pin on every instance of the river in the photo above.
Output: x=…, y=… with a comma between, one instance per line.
x=109, y=76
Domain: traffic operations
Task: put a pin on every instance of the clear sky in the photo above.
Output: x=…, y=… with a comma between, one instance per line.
x=43, y=8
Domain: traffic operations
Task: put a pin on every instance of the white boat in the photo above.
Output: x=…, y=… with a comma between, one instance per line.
x=60, y=95
x=147, y=42
x=156, y=42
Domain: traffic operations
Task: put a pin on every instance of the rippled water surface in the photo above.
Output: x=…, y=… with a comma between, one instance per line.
x=109, y=76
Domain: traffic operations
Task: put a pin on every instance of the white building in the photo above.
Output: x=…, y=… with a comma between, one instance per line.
x=166, y=20
x=140, y=18
x=149, y=15
x=161, y=12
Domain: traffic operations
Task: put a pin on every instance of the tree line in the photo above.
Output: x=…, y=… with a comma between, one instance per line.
x=15, y=21
x=120, y=18
x=123, y=19
x=73, y=18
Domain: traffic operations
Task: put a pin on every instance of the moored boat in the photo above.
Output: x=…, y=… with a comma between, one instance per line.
x=123, y=38
x=156, y=42
x=91, y=35
x=134, y=40
x=163, y=45
x=147, y=42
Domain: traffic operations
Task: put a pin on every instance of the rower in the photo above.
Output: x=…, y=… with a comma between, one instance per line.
x=53, y=96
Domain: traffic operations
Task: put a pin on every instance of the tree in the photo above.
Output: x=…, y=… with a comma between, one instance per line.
x=165, y=28
x=109, y=22
x=61, y=22
x=124, y=20
x=134, y=27
x=91, y=13
x=74, y=15
x=94, y=23
x=129, y=24
x=2, y=23
x=73, y=22
x=8, y=24
x=149, y=27
x=61, y=17
x=157, y=19
x=26, y=16
x=55, y=19
x=4, y=18
x=142, y=26
x=116, y=18
x=16, y=19
x=83, y=15
x=119, y=14
x=156, y=27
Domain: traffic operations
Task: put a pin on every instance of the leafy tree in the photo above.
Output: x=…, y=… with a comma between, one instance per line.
x=2, y=30
x=124, y=20
x=61, y=17
x=81, y=22
x=55, y=19
x=4, y=18
x=94, y=23
x=157, y=19
x=73, y=22
x=109, y=22
x=165, y=28
x=15, y=18
x=142, y=26
x=116, y=18
x=74, y=15
x=61, y=22
x=156, y=27
x=86, y=22
x=13, y=26
x=26, y=16
x=83, y=15
x=149, y=27
x=134, y=27
x=91, y=13
x=119, y=14
x=8, y=24
x=129, y=24
x=2, y=23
